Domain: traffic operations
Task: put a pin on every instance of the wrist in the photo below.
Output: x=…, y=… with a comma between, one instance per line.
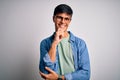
x=61, y=77
x=55, y=43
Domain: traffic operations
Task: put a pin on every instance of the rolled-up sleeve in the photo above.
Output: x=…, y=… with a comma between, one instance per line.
x=48, y=62
x=45, y=58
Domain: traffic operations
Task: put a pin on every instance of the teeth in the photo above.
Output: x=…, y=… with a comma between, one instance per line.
x=62, y=25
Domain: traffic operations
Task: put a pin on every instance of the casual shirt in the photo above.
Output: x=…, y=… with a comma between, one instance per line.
x=66, y=63
x=80, y=57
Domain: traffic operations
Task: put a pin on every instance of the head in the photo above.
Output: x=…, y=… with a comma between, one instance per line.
x=62, y=17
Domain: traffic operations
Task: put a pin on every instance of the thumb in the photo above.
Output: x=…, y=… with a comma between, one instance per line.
x=50, y=70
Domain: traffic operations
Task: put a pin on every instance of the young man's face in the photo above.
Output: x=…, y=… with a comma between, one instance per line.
x=62, y=21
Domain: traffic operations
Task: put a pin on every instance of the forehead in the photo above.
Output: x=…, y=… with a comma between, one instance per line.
x=63, y=15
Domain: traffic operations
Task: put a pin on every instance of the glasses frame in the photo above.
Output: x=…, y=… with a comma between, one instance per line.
x=60, y=18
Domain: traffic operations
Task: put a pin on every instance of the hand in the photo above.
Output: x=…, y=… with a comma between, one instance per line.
x=59, y=35
x=51, y=76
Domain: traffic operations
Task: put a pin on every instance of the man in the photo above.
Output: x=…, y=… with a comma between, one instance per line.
x=64, y=56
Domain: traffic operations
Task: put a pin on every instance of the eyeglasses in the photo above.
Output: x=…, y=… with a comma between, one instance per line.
x=59, y=18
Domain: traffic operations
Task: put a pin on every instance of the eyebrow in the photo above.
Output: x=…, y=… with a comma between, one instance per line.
x=66, y=18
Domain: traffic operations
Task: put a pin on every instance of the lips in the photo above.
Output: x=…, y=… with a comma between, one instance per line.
x=62, y=26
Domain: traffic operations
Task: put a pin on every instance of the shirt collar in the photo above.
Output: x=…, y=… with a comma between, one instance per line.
x=72, y=37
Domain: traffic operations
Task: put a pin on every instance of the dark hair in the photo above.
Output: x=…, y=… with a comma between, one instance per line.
x=63, y=8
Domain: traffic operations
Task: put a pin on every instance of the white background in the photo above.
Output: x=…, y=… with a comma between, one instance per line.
x=23, y=24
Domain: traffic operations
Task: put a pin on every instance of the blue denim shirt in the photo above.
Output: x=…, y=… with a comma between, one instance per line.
x=80, y=56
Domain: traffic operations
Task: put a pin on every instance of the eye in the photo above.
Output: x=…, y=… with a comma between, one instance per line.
x=59, y=17
x=67, y=19
x=63, y=18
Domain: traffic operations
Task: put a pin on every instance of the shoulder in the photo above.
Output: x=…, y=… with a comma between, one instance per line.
x=76, y=39
x=80, y=41
x=79, y=44
x=47, y=40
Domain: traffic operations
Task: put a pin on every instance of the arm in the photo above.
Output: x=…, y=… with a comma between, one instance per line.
x=58, y=37
x=48, y=53
x=51, y=76
x=52, y=52
x=45, y=60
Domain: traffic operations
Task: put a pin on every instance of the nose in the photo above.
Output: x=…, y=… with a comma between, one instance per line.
x=62, y=20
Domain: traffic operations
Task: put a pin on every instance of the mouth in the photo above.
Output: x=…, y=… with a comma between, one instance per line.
x=62, y=25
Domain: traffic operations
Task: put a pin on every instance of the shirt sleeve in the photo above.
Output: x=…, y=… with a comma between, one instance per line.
x=45, y=59
x=83, y=71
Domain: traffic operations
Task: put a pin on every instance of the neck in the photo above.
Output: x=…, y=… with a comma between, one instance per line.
x=66, y=34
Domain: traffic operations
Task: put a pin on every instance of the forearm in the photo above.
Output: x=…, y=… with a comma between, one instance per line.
x=52, y=52
x=45, y=60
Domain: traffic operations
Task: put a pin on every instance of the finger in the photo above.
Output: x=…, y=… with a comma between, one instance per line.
x=50, y=70
x=59, y=34
x=59, y=29
x=43, y=75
